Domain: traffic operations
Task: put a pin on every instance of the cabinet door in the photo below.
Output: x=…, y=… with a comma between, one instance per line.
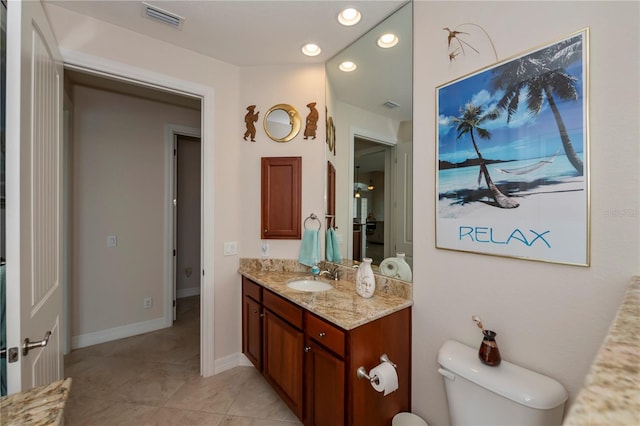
x=281, y=198
x=324, y=378
x=283, y=356
x=252, y=331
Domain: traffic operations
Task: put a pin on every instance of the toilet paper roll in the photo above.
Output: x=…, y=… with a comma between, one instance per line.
x=384, y=378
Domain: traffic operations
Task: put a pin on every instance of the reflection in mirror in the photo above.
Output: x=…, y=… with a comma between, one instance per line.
x=372, y=112
x=282, y=122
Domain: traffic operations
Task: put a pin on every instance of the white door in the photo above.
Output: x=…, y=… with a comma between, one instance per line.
x=403, y=193
x=34, y=158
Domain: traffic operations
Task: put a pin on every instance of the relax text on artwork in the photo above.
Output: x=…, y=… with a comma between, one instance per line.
x=485, y=234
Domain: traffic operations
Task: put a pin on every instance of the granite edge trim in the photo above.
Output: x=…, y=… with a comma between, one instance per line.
x=611, y=391
x=42, y=405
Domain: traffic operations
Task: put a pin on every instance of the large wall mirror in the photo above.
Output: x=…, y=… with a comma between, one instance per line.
x=371, y=108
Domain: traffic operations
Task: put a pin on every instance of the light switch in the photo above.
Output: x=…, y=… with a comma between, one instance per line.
x=112, y=241
x=230, y=248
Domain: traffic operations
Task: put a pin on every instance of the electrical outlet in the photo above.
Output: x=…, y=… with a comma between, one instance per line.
x=112, y=241
x=265, y=249
x=147, y=302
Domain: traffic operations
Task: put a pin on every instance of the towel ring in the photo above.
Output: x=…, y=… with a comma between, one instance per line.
x=313, y=216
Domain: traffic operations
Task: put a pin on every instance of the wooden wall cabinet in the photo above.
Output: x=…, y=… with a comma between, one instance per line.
x=281, y=198
x=312, y=363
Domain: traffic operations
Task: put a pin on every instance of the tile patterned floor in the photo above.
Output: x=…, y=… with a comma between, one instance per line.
x=153, y=379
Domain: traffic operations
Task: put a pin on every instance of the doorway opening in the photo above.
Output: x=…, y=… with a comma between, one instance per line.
x=163, y=217
x=371, y=201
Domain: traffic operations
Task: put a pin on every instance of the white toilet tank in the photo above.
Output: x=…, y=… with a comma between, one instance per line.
x=504, y=395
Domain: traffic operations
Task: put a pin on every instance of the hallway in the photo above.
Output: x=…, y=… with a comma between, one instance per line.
x=153, y=379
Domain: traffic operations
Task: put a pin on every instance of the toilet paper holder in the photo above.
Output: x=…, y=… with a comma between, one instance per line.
x=361, y=372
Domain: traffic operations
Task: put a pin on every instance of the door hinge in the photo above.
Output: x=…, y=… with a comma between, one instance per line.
x=175, y=152
x=174, y=303
x=174, y=252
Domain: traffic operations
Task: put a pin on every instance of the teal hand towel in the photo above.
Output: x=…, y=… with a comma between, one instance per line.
x=335, y=248
x=310, y=247
x=328, y=246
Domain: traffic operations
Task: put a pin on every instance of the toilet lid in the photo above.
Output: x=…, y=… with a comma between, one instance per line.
x=408, y=419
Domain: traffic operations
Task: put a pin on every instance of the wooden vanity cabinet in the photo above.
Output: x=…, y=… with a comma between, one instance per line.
x=324, y=373
x=283, y=342
x=312, y=363
x=252, y=322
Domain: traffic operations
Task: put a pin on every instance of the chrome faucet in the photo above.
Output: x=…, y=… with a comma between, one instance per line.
x=334, y=274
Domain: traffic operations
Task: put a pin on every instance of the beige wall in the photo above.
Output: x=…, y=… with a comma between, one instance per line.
x=265, y=87
x=118, y=187
x=550, y=318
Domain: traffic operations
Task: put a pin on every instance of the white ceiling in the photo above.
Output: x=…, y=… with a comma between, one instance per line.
x=259, y=33
x=245, y=33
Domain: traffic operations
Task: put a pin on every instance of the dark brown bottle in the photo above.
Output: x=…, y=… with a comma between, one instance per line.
x=489, y=352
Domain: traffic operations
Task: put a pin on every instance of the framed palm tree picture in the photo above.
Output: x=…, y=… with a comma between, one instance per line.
x=512, y=172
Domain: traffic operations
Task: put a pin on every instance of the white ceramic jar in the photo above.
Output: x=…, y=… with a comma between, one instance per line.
x=365, y=281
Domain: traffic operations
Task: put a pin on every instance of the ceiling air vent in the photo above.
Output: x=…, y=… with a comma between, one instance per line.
x=157, y=14
x=391, y=104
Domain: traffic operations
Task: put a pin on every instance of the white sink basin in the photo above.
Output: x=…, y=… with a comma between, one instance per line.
x=310, y=285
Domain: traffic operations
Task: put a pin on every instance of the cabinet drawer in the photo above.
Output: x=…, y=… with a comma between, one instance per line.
x=286, y=310
x=251, y=289
x=324, y=333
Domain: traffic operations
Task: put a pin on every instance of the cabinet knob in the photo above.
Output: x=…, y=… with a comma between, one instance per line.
x=255, y=311
x=307, y=348
x=266, y=230
x=322, y=334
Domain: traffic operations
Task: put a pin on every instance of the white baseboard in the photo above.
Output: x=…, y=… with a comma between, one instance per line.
x=187, y=292
x=244, y=361
x=103, y=336
x=231, y=361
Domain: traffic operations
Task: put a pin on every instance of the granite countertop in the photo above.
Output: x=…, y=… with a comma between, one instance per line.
x=611, y=392
x=341, y=306
x=43, y=405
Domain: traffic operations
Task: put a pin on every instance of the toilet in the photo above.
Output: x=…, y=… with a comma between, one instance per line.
x=482, y=395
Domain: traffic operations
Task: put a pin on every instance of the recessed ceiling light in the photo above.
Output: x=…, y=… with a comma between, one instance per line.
x=387, y=40
x=349, y=17
x=347, y=66
x=311, y=49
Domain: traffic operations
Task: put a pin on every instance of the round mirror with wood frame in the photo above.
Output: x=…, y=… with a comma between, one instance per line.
x=282, y=122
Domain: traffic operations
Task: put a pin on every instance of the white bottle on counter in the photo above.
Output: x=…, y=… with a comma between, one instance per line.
x=365, y=281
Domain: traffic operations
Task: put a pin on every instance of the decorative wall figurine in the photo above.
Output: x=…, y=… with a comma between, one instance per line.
x=331, y=135
x=312, y=122
x=456, y=43
x=250, y=118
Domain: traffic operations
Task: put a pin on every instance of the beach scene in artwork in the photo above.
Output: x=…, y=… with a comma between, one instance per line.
x=512, y=156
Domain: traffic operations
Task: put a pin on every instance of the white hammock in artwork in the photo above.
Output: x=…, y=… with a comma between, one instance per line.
x=528, y=169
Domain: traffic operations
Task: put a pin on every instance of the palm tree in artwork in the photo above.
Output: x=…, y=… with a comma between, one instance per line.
x=469, y=122
x=543, y=75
